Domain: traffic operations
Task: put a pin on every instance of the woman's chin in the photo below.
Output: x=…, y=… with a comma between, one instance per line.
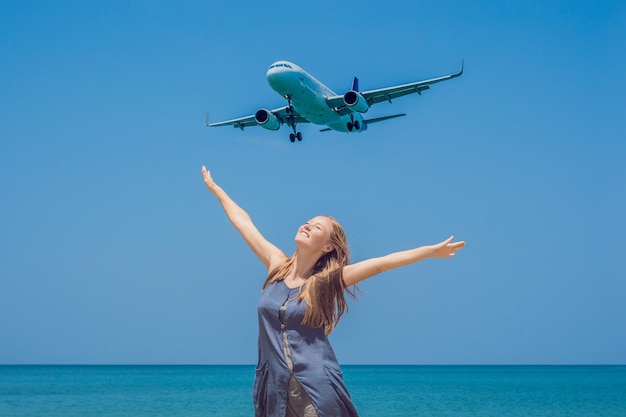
x=302, y=242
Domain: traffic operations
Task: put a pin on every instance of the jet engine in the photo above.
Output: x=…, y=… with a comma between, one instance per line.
x=355, y=101
x=267, y=119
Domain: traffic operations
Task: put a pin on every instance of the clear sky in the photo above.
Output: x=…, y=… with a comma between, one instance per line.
x=113, y=251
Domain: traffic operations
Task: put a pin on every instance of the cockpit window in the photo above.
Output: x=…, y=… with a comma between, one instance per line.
x=281, y=65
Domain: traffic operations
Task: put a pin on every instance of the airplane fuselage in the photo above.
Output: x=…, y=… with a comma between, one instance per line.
x=308, y=96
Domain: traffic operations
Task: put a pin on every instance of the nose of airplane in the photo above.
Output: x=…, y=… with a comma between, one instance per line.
x=272, y=75
x=281, y=66
x=280, y=74
x=271, y=70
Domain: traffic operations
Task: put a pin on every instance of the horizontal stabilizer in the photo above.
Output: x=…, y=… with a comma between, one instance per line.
x=374, y=120
x=380, y=119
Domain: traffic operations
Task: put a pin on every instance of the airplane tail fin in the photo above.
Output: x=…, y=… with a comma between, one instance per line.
x=355, y=84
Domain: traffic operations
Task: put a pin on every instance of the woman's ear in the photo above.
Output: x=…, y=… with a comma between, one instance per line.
x=328, y=248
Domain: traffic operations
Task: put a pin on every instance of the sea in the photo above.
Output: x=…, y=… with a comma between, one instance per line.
x=377, y=391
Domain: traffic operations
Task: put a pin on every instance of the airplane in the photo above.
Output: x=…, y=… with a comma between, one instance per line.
x=310, y=101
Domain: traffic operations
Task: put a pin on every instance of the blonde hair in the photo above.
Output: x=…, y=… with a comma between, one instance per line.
x=325, y=288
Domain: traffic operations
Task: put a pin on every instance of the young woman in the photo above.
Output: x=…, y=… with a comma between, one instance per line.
x=303, y=298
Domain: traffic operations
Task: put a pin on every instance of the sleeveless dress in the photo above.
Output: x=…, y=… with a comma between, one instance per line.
x=312, y=361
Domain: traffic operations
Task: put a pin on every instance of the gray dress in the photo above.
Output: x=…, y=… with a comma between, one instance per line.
x=313, y=361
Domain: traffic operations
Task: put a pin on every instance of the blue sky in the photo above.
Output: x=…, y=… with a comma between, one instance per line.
x=112, y=250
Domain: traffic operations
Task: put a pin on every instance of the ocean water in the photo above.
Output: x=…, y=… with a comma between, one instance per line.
x=225, y=391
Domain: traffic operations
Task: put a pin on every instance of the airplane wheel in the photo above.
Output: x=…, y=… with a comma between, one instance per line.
x=299, y=136
x=350, y=126
x=357, y=125
x=292, y=137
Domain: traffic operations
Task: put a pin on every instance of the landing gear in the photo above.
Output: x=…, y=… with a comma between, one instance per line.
x=289, y=105
x=353, y=124
x=294, y=136
x=291, y=121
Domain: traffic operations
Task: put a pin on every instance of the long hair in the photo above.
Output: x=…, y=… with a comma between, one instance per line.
x=324, y=290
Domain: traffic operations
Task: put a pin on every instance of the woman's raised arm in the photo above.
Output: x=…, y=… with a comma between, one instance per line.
x=270, y=255
x=359, y=271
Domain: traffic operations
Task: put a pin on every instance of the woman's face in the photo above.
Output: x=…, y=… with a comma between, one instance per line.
x=315, y=234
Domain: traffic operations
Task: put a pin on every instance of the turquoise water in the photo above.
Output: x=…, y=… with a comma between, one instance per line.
x=225, y=391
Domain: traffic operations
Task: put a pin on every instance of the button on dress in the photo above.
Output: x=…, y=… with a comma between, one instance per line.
x=313, y=362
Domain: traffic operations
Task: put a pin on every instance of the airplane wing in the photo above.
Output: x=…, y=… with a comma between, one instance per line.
x=389, y=93
x=240, y=122
x=282, y=113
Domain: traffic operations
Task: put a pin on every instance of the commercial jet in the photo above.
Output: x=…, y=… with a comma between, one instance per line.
x=310, y=101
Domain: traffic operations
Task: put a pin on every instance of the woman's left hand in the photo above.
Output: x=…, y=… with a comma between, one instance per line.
x=447, y=248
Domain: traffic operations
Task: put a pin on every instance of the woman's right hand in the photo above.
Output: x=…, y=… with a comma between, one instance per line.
x=208, y=180
x=269, y=254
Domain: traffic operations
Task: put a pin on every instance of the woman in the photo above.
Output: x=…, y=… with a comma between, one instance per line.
x=303, y=298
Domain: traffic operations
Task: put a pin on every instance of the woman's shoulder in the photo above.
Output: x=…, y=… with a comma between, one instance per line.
x=276, y=259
